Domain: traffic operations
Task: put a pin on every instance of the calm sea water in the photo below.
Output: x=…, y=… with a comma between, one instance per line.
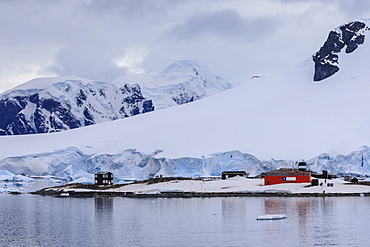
x=28, y=220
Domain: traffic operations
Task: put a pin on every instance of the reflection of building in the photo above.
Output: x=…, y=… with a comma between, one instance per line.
x=103, y=204
x=285, y=175
x=104, y=216
x=303, y=208
x=103, y=178
x=275, y=205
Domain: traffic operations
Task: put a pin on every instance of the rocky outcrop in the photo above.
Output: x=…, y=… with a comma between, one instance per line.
x=67, y=105
x=348, y=37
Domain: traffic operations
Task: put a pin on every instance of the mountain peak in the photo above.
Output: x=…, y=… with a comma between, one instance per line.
x=181, y=82
x=183, y=64
x=184, y=67
x=345, y=38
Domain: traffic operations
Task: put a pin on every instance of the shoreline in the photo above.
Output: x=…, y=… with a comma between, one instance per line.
x=190, y=194
x=197, y=188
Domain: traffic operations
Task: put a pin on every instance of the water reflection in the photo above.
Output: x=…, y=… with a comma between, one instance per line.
x=104, y=221
x=104, y=206
x=303, y=209
x=233, y=211
x=275, y=206
x=322, y=223
x=300, y=207
x=326, y=228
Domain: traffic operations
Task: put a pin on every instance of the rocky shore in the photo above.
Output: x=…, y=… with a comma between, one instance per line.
x=188, y=188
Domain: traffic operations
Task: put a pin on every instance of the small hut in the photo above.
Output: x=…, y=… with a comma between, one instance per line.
x=230, y=174
x=103, y=178
x=302, y=166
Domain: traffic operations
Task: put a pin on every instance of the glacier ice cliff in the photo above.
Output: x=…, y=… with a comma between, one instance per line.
x=71, y=164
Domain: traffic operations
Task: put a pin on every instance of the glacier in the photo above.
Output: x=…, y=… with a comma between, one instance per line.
x=72, y=165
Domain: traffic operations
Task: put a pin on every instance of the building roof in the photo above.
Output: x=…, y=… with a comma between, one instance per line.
x=286, y=172
x=234, y=172
x=103, y=173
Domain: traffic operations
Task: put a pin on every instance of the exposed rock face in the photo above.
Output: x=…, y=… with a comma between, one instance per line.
x=67, y=105
x=183, y=96
x=348, y=36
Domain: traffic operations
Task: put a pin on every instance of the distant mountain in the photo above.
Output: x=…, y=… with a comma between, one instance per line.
x=55, y=104
x=180, y=83
x=344, y=39
x=67, y=103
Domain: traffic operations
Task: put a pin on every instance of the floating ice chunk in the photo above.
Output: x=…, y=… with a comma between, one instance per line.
x=8, y=176
x=271, y=217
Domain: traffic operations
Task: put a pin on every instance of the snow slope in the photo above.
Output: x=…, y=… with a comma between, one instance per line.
x=240, y=184
x=285, y=117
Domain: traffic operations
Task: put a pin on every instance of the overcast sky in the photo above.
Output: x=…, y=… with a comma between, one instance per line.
x=103, y=39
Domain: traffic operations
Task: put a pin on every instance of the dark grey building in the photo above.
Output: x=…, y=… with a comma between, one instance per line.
x=103, y=178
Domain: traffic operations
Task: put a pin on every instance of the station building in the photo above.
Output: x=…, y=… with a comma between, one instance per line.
x=286, y=175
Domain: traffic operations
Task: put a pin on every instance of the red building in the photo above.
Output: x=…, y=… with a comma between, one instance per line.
x=286, y=176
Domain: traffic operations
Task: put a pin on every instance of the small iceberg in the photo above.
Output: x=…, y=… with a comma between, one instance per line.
x=271, y=217
x=6, y=176
x=63, y=194
x=148, y=192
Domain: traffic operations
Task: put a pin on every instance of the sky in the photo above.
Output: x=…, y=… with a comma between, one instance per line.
x=104, y=39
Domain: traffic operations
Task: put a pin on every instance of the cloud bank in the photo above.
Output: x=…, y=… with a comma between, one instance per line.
x=102, y=40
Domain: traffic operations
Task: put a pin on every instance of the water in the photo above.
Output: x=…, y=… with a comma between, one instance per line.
x=28, y=220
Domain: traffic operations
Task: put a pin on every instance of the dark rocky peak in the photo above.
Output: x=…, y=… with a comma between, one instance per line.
x=348, y=36
x=67, y=105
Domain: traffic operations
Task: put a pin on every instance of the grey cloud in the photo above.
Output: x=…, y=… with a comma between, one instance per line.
x=84, y=37
x=351, y=9
x=88, y=61
x=57, y=22
x=228, y=24
x=354, y=8
x=131, y=7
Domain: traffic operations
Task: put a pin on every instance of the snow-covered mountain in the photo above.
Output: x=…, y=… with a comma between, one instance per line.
x=54, y=104
x=180, y=83
x=263, y=124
